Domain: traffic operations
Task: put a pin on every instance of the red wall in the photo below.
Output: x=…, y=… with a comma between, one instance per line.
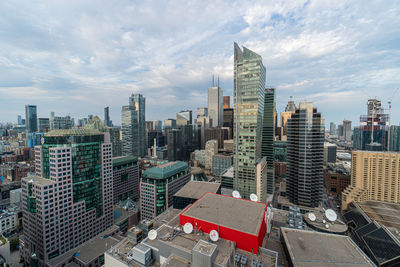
x=243, y=240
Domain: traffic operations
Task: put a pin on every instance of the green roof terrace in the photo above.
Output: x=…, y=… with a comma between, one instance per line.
x=165, y=170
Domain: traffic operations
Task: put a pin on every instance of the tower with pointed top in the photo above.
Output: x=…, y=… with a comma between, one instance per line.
x=249, y=93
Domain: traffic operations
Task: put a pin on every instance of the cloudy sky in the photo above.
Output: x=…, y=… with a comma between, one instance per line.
x=76, y=57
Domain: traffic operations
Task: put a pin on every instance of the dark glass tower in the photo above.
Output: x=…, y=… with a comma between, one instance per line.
x=305, y=154
x=268, y=133
x=31, y=118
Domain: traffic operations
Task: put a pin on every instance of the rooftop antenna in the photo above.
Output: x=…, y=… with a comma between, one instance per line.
x=236, y=194
x=214, y=236
x=390, y=115
x=312, y=217
x=188, y=228
x=152, y=234
x=253, y=197
x=331, y=215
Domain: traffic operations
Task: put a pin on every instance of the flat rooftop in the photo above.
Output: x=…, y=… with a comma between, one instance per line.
x=165, y=170
x=387, y=214
x=309, y=249
x=38, y=180
x=195, y=189
x=239, y=214
x=175, y=261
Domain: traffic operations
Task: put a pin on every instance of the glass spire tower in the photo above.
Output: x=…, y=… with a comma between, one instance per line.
x=249, y=93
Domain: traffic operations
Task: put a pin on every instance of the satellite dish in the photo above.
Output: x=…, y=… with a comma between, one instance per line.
x=323, y=221
x=253, y=197
x=214, y=236
x=188, y=228
x=312, y=217
x=331, y=215
x=152, y=234
x=326, y=226
x=236, y=194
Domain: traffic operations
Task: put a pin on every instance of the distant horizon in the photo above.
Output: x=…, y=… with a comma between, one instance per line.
x=77, y=58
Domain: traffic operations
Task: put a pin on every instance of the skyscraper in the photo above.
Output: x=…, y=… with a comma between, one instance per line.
x=202, y=112
x=332, y=128
x=43, y=124
x=157, y=125
x=305, y=155
x=139, y=102
x=215, y=108
x=19, y=120
x=347, y=131
x=31, y=118
x=249, y=92
x=107, y=120
x=69, y=201
x=227, y=101
x=184, y=117
x=289, y=110
x=268, y=135
x=129, y=121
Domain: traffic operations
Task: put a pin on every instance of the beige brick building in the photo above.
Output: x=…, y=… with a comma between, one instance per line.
x=374, y=176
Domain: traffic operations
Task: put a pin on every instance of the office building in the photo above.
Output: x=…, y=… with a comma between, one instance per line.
x=115, y=138
x=347, y=130
x=43, y=125
x=159, y=184
x=203, y=122
x=329, y=153
x=169, y=124
x=157, y=125
x=227, y=102
x=217, y=133
x=160, y=140
x=305, y=155
x=215, y=107
x=268, y=137
x=60, y=123
x=34, y=139
x=228, y=120
x=332, y=128
x=107, y=120
x=70, y=200
x=139, y=103
x=249, y=92
x=202, y=112
x=19, y=120
x=126, y=178
x=210, y=151
x=220, y=163
x=149, y=126
x=184, y=118
x=175, y=145
x=133, y=127
x=374, y=176
x=336, y=178
x=31, y=118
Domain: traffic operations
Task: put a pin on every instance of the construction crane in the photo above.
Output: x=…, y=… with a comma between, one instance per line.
x=390, y=115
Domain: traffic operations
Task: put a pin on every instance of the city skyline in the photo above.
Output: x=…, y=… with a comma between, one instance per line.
x=307, y=54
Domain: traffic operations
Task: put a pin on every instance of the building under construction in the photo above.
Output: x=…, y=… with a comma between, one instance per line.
x=375, y=132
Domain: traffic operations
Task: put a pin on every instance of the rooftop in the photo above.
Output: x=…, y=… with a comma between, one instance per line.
x=195, y=190
x=239, y=214
x=387, y=214
x=175, y=261
x=309, y=249
x=165, y=170
x=73, y=132
x=38, y=180
x=336, y=227
x=118, y=161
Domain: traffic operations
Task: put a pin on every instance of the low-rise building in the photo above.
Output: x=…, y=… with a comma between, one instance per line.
x=193, y=191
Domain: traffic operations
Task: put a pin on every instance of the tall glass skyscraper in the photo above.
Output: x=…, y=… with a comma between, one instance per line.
x=215, y=105
x=31, y=118
x=268, y=134
x=139, y=102
x=133, y=122
x=305, y=155
x=249, y=93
